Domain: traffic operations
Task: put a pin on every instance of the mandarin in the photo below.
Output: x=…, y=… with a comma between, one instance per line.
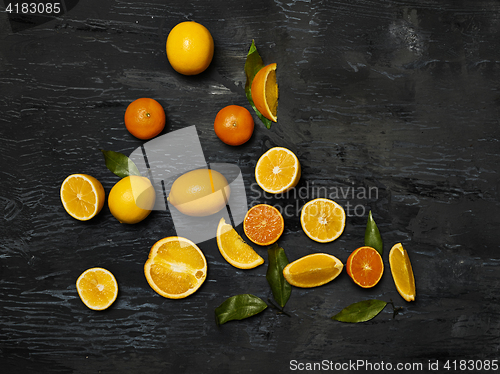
x=234, y=125
x=145, y=118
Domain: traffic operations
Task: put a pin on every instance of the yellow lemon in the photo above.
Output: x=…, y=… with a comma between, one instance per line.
x=200, y=192
x=190, y=48
x=82, y=196
x=131, y=199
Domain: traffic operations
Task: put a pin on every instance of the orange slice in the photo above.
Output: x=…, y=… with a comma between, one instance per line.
x=263, y=224
x=313, y=270
x=82, y=196
x=176, y=267
x=97, y=288
x=264, y=92
x=402, y=272
x=277, y=170
x=234, y=249
x=365, y=266
x=323, y=220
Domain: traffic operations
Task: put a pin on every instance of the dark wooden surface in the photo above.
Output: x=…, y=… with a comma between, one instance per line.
x=398, y=95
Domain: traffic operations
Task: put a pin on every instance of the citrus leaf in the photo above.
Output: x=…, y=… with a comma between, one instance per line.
x=120, y=164
x=361, y=311
x=253, y=64
x=279, y=286
x=239, y=307
x=372, y=235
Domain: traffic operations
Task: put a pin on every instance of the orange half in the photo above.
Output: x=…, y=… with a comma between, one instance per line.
x=277, y=170
x=365, y=266
x=97, y=288
x=263, y=224
x=323, y=220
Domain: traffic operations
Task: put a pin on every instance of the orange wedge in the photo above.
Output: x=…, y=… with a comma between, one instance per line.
x=313, y=270
x=263, y=224
x=82, y=196
x=234, y=249
x=365, y=266
x=97, y=288
x=323, y=220
x=402, y=272
x=176, y=267
x=264, y=92
x=277, y=170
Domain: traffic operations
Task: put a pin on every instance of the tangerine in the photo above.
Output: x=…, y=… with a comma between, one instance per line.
x=263, y=224
x=234, y=125
x=365, y=266
x=145, y=118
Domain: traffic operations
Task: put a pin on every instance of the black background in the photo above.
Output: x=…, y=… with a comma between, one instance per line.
x=401, y=96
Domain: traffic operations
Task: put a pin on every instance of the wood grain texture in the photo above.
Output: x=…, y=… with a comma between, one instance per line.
x=399, y=98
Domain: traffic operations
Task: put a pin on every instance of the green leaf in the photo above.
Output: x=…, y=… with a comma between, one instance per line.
x=277, y=262
x=253, y=64
x=372, y=235
x=120, y=164
x=239, y=307
x=361, y=311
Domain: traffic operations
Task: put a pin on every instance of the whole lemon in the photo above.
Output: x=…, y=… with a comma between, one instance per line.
x=190, y=48
x=131, y=199
x=200, y=192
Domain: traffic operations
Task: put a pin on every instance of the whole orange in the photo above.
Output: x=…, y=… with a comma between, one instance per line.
x=145, y=118
x=234, y=125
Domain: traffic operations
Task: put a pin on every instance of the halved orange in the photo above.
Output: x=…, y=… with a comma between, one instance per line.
x=264, y=92
x=176, y=267
x=313, y=270
x=82, y=196
x=365, y=266
x=97, y=288
x=263, y=224
x=277, y=170
x=323, y=220
x=234, y=249
x=402, y=272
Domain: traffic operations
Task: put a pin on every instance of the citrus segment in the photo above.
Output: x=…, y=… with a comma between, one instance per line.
x=402, y=272
x=323, y=220
x=313, y=270
x=97, y=288
x=175, y=268
x=277, y=170
x=82, y=196
x=365, y=266
x=145, y=118
x=190, y=48
x=131, y=199
x=263, y=224
x=234, y=249
x=264, y=92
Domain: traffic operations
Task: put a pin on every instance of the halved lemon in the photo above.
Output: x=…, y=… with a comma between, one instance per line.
x=323, y=220
x=82, y=196
x=402, y=272
x=234, y=249
x=313, y=270
x=176, y=267
x=264, y=92
x=97, y=288
x=277, y=170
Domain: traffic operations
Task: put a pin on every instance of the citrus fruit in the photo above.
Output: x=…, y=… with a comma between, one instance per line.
x=82, y=196
x=145, y=118
x=200, y=192
x=234, y=125
x=97, y=288
x=277, y=170
x=234, y=249
x=263, y=224
x=131, y=199
x=323, y=220
x=190, y=48
x=313, y=270
x=264, y=92
x=175, y=268
x=402, y=272
x=365, y=266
